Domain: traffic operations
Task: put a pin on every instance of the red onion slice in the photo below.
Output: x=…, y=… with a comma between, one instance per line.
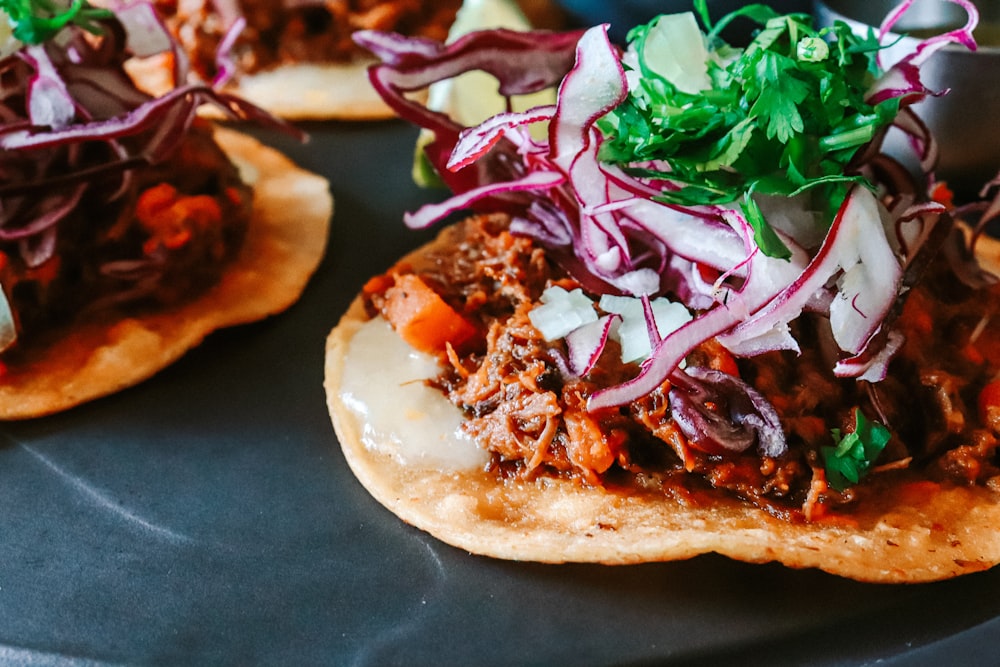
x=720, y=414
x=474, y=142
x=856, y=247
x=585, y=344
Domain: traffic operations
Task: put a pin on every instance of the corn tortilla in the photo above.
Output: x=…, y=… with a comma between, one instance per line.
x=908, y=536
x=300, y=92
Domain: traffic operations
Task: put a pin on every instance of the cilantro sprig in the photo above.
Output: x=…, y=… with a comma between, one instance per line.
x=783, y=116
x=852, y=457
x=36, y=21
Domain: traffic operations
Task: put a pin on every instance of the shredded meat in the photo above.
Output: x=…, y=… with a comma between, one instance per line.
x=532, y=416
x=281, y=32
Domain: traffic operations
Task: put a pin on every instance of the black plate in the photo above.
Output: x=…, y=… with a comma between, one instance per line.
x=208, y=517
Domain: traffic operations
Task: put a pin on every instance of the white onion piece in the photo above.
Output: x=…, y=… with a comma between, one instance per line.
x=634, y=332
x=561, y=312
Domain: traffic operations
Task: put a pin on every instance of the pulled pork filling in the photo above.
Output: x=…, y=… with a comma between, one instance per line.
x=167, y=237
x=285, y=32
x=531, y=413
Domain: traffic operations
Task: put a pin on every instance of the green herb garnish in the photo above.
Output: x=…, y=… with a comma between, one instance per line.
x=36, y=21
x=784, y=116
x=852, y=457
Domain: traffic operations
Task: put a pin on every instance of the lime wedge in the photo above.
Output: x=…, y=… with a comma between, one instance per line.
x=472, y=97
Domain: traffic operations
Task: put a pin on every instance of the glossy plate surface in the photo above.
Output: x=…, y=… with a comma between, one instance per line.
x=208, y=517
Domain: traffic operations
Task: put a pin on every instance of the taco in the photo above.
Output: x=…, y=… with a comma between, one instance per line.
x=131, y=229
x=681, y=329
x=295, y=59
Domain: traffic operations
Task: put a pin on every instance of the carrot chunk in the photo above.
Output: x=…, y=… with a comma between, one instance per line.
x=171, y=218
x=720, y=358
x=422, y=318
x=989, y=401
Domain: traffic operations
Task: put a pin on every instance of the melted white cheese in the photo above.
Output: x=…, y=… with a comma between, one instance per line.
x=383, y=385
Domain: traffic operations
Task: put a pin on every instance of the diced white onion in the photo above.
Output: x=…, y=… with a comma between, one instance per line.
x=561, y=312
x=633, y=333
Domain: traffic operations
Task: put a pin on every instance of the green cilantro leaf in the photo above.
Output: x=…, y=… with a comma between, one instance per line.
x=779, y=98
x=852, y=457
x=36, y=21
x=786, y=114
x=763, y=234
